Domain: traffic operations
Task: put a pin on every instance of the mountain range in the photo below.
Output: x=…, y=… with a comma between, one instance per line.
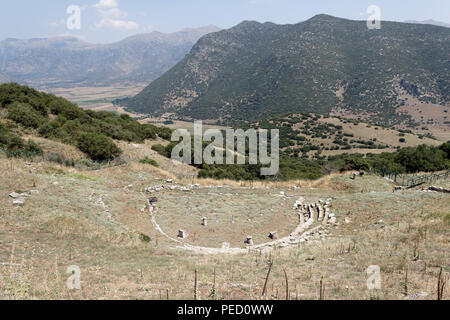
x=320, y=65
x=69, y=61
x=430, y=21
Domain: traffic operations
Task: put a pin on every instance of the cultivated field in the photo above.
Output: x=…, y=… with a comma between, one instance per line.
x=177, y=124
x=98, y=98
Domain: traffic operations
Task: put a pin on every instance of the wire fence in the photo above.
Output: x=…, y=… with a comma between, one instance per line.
x=409, y=181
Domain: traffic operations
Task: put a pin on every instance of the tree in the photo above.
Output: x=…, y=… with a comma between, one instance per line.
x=422, y=158
x=446, y=148
x=98, y=146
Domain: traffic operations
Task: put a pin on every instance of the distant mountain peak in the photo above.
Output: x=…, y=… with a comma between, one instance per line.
x=55, y=42
x=69, y=61
x=187, y=34
x=246, y=23
x=325, y=18
x=248, y=26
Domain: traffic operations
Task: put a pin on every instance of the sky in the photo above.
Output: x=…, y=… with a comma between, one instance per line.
x=106, y=21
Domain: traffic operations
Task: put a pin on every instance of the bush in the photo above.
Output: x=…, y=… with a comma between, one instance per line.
x=160, y=149
x=9, y=140
x=50, y=130
x=14, y=142
x=446, y=148
x=145, y=238
x=55, y=157
x=15, y=146
x=68, y=110
x=164, y=133
x=356, y=163
x=25, y=115
x=98, y=146
x=147, y=160
x=32, y=149
x=13, y=92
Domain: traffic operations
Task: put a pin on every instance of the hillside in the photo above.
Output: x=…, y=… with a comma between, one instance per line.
x=25, y=111
x=313, y=146
x=68, y=61
x=322, y=65
x=313, y=135
x=99, y=220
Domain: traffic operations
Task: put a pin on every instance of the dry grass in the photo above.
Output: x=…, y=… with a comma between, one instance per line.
x=428, y=115
x=54, y=147
x=383, y=135
x=67, y=224
x=320, y=183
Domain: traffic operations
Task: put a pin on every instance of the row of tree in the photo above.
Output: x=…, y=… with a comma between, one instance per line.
x=423, y=158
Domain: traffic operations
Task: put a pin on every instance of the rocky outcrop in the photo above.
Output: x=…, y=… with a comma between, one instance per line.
x=20, y=198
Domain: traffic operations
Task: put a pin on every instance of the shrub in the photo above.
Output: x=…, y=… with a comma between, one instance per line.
x=164, y=133
x=9, y=140
x=50, y=129
x=14, y=142
x=160, y=149
x=55, y=157
x=16, y=146
x=446, y=148
x=32, y=149
x=356, y=163
x=68, y=110
x=13, y=92
x=25, y=115
x=145, y=238
x=98, y=146
x=147, y=160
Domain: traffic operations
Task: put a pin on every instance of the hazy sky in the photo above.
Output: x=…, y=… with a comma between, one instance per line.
x=112, y=20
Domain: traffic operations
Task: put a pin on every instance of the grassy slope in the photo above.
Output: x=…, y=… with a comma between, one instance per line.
x=66, y=224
